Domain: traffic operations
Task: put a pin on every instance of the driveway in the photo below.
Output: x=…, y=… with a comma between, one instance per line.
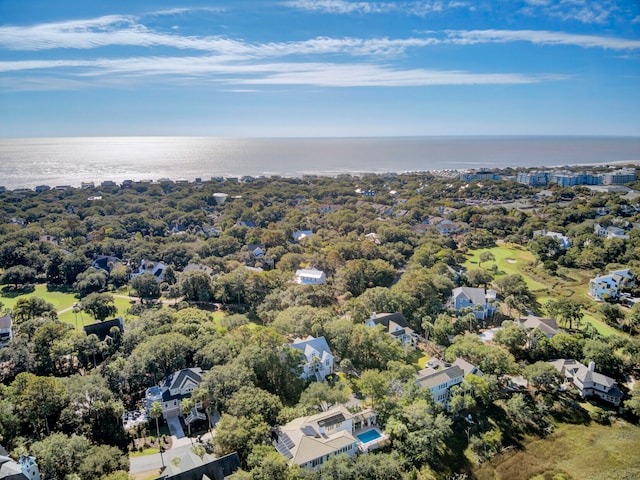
x=175, y=427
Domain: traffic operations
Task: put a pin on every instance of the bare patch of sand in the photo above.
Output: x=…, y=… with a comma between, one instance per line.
x=510, y=260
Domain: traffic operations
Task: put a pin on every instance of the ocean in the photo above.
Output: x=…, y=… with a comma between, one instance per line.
x=70, y=161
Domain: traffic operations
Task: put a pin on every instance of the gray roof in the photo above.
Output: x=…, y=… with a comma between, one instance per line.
x=320, y=344
x=476, y=295
x=429, y=378
x=6, y=322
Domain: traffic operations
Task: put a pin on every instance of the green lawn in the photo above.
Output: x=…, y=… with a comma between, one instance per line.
x=572, y=452
x=510, y=260
x=60, y=300
x=568, y=283
x=63, y=303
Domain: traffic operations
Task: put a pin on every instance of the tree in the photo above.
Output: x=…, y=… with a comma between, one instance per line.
x=90, y=281
x=612, y=314
x=322, y=396
x=32, y=307
x=99, y=305
x=250, y=400
x=567, y=310
x=633, y=402
x=156, y=412
x=38, y=398
x=146, y=286
x=18, y=275
x=486, y=257
x=476, y=277
x=542, y=375
x=196, y=286
x=375, y=385
x=512, y=336
x=240, y=434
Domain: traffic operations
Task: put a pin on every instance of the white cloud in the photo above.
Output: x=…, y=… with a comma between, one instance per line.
x=341, y=7
x=228, y=72
x=539, y=37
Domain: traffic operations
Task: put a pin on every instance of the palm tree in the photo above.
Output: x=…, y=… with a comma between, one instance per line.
x=155, y=412
x=185, y=407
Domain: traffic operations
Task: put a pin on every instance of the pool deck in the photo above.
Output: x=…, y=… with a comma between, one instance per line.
x=378, y=442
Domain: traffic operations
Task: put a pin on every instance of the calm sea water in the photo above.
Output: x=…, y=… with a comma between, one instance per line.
x=69, y=161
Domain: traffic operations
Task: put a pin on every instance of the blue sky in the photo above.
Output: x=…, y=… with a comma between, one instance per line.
x=319, y=67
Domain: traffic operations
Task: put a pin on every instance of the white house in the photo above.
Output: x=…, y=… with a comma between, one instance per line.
x=25, y=468
x=482, y=301
x=311, y=441
x=310, y=276
x=609, y=232
x=396, y=325
x=607, y=286
x=439, y=378
x=156, y=269
x=301, y=235
x=589, y=382
x=562, y=239
x=173, y=389
x=318, y=357
x=6, y=330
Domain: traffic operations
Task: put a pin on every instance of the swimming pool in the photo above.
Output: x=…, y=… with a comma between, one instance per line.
x=369, y=436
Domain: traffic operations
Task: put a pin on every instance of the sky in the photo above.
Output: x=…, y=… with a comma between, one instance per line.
x=319, y=68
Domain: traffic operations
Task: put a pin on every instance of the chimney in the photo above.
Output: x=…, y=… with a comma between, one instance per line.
x=592, y=366
x=373, y=315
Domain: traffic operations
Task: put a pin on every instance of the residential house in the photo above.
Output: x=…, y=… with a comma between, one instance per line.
x=102, y=329
x=246, y=223
x=198, y=267
x=310, y=276
x=156, y=269
x=609, y=232
x=173, y=389
x=6, y=330
x=605, y=287
x=301, y=235
x=447, y=227
x=105, y=262
x=563, y=240
x=482, y=301
x=257, y=250
x=396, y=325
x=547, y=326
x=25, y=468
x=588, y=382
x=318, y=357
x=311, y=441
x=191, y=466
x=439, y=377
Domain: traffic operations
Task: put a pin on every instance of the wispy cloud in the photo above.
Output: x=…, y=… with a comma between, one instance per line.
x=342, y=7
x=539, y=37
x=215, y=69
x=583, y=11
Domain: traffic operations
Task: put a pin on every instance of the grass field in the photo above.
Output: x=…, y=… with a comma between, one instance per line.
x=63, y=303
x=509, y=260
x=569, y=283
x=572, y=452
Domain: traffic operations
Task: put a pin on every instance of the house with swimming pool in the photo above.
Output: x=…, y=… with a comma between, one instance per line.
x=311, y=441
